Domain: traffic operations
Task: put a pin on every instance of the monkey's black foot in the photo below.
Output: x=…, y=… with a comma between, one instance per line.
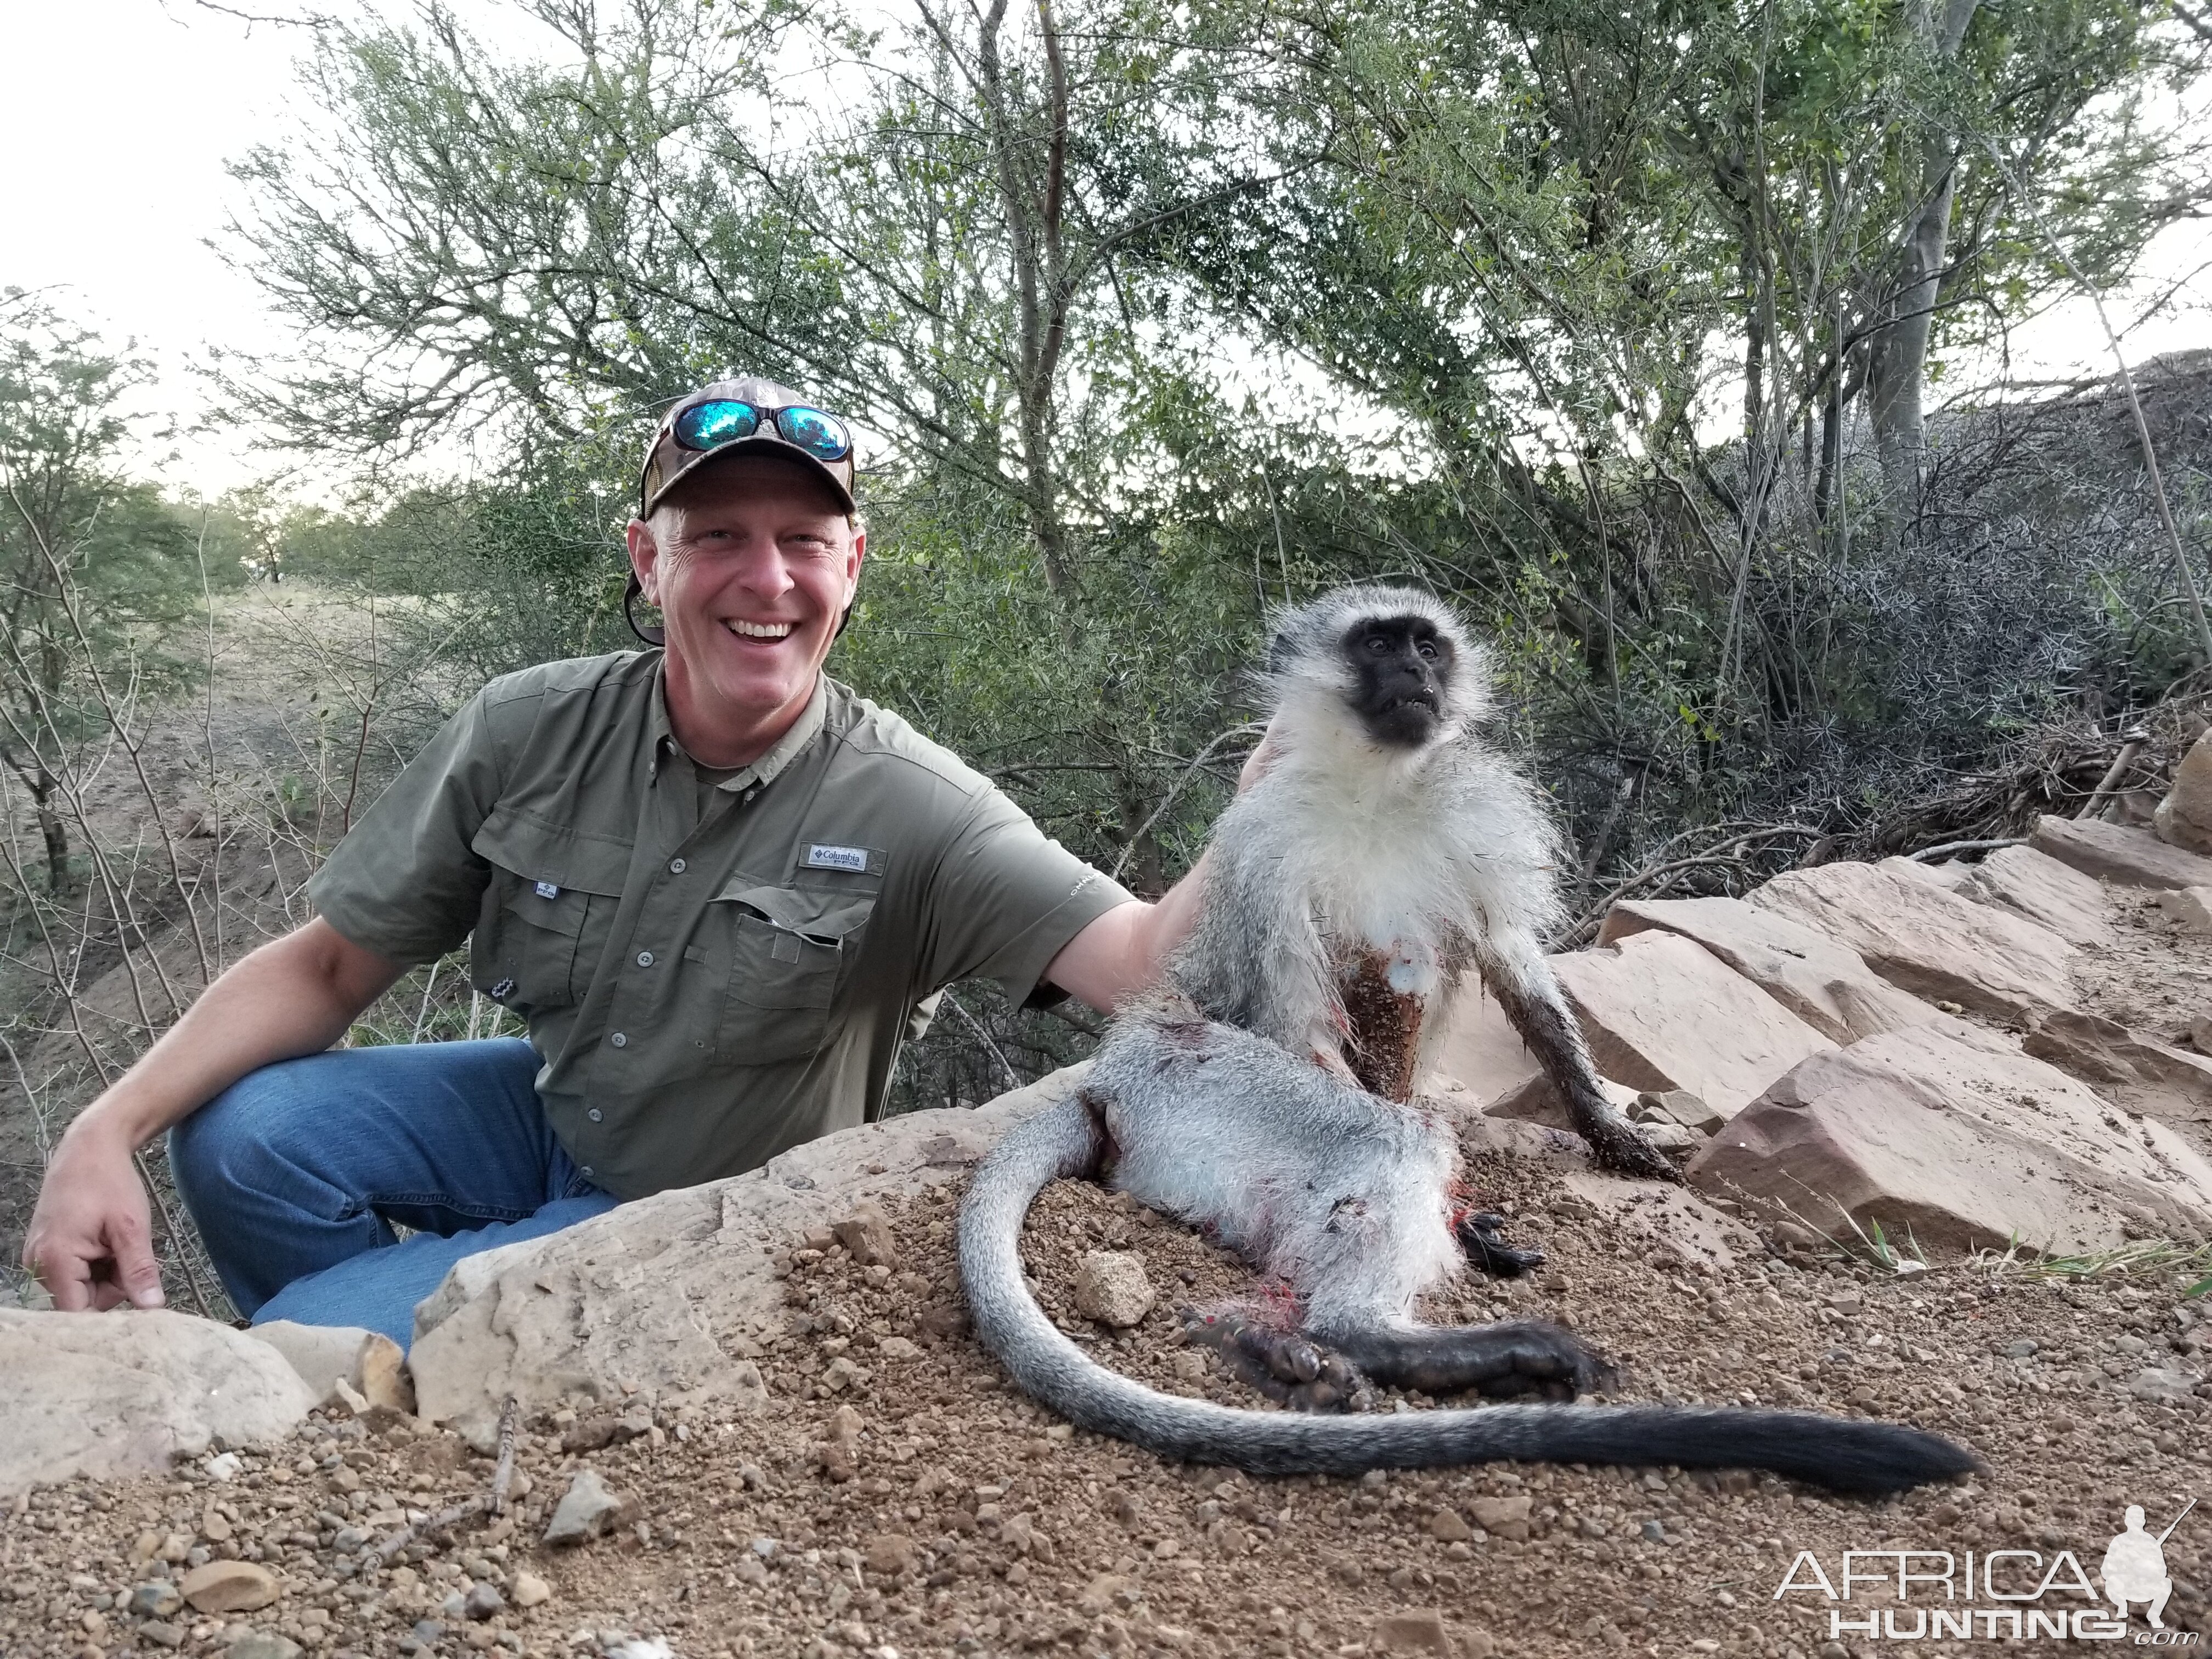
x=1616, y=1145
x=1497, y=1361
x=1481, y=1236
x=1284, y=1365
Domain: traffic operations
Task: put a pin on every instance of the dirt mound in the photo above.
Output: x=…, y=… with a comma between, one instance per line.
x=894, y=1497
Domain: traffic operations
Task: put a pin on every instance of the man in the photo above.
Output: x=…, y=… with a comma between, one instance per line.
x=715, y=884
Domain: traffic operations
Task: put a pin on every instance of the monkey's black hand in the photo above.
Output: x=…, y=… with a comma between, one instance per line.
x=1480, y=1234
x=1284, y=1365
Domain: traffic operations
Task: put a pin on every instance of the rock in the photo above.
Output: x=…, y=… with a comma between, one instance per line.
x=2114, y=853
x=369, y=1363
x=1504, y=1518
x=2190, y=906
x=162, y=1633
x=889, y=1552
x=1949, y=1137
x=1677, y=1106
x=1412, y=1632
x=530, y=1590
x=648, y=1293
x=845, y=1424
x=1927, y=941
x=1110, y=1286
x=1478, y=1049
x=262, y=1645
x=1447, y=1527
x=2184, y=818
x=866, y=1233
x=1671, y=1138
x=229, y=1587
x=2053, y=894
x=482, y=1601
x=155, y=1600
x=1825, y=984
x=2021, y=1347
x=588, y=1509
x=1537, y=1101
x=2164, y=1385
x=129, y=1393
x=1661, y=1011
x=2133, y=1071
x=1107, y=1592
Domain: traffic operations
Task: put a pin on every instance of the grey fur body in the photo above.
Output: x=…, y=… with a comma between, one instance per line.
x=1384, y=857
x=1345, y=1195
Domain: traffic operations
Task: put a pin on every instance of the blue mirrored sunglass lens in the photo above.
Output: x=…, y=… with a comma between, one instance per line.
x=817, y=434
x=705, y=426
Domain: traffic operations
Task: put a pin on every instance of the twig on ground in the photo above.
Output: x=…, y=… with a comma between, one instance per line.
x=502, y=1473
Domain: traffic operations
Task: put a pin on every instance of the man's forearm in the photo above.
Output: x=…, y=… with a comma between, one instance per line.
x=1123, y=951
x=293, y=996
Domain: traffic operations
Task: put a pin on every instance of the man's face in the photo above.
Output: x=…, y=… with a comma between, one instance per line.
x=752, y=562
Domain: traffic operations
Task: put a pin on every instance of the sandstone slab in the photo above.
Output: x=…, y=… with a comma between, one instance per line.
x=1661, y=1011
x=367, y=1362
x=2136, y=1071
x=1477, y=1048
x=1825, y=984
x=128, y=1393
x=2040, y=887
x=2184, y=818
x=676, y=1294
x=2190, y=906
x=1925, y=940
x=1950, y=1137
x=2117, y=854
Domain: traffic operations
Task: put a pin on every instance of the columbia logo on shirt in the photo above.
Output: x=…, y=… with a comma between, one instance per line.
x=854, y=858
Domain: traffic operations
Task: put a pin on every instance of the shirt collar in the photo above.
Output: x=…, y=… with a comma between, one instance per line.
x=764, y=771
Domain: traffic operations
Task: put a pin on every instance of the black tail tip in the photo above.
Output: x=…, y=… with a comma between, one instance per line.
x=1872, y=1460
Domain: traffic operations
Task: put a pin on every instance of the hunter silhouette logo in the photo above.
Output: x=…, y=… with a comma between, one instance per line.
x=2135, y=1566
x=1999, y=1595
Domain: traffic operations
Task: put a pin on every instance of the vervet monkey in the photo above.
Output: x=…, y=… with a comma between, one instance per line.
x=1385, y=851
x=1346, y=1196
x=1386, y=857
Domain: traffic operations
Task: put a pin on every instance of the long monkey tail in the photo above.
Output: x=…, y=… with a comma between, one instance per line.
x=1065, y=1140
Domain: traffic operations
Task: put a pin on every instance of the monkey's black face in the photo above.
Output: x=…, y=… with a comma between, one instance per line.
x=1401, y=668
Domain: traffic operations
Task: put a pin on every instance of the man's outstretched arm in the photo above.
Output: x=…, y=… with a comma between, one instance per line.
x=1121, y=952
x=91, y=1239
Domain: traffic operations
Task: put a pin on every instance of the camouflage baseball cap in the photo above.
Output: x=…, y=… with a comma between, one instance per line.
x=744, y=416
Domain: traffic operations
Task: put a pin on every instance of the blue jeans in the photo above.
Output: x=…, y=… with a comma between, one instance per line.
x=296, y=1173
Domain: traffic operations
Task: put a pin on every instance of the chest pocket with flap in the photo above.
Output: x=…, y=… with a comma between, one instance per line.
x=547, y=914
x=788, y=947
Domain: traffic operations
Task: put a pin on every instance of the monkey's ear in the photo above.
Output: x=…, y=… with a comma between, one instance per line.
x=1280, y=653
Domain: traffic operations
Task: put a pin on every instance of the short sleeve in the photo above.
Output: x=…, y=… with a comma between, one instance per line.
x=404, y=883
x=1006, y=900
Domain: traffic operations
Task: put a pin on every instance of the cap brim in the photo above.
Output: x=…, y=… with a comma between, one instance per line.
x=760, y=443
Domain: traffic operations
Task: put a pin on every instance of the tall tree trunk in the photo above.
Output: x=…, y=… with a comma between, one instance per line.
x=1896, y=361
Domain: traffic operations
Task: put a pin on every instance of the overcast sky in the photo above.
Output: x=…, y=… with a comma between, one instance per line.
x=119, y=117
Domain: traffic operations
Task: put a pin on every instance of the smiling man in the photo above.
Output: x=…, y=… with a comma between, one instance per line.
x=719, y=889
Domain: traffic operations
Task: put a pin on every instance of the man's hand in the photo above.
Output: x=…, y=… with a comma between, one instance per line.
x=91, y=1240
x=1121, y=952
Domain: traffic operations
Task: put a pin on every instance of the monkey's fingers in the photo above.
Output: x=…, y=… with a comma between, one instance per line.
x=1481, y=1238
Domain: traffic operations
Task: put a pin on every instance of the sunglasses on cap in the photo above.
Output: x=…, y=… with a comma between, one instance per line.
x=723, y=421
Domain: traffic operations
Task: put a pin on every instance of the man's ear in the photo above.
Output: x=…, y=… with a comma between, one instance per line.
x=644, y=558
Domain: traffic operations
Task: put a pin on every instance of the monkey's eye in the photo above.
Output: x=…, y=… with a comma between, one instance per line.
x=1377, y=643
x=1428, y=650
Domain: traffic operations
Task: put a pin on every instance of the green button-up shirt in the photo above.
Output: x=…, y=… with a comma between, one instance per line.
x=704, y=989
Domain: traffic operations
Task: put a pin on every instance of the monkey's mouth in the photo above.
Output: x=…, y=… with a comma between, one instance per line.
x=1424, y=700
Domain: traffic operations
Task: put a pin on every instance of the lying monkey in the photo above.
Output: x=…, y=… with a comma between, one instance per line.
x=1385, y=847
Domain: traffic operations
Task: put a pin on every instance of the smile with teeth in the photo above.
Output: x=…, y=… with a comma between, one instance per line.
x=753, y=630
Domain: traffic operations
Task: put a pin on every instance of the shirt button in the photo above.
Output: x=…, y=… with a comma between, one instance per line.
x=676, y=866
x=586, y=1170
x=645, y=958
x=593, y=1115
x=619, y=1040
